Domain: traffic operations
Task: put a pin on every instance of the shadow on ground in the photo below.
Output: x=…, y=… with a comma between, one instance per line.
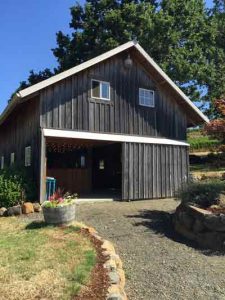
x=161, y=223
x=37, y=225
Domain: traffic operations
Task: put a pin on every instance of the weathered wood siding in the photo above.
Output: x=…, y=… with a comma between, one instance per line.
x=68, y=104
x=153, y=171
x=22, y=129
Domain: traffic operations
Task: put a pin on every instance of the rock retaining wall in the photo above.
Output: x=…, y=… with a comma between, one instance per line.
x=202, y=226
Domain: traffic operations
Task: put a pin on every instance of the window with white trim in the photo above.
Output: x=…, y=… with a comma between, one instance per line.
x=100, y=90
x=28, y=156
x=2, y=162
x=146, y=97
x=12, y=158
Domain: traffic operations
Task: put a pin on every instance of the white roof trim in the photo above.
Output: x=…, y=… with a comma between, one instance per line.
x=171, y=83
x=110, y=137
x=36, y=87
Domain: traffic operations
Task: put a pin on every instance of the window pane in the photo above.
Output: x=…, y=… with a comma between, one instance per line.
x=142, y=100
x=95, y=89
x=141, y=92
x=146, y=97
x=12, y=159
x=147, y=93
x=105, y=90
x=28, y=156
x=101, y=164
x=82, y=161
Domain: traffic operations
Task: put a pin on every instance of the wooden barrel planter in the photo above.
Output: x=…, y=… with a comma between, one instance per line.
x=59, y=215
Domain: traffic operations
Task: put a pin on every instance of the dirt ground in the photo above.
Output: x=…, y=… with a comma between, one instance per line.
x=159, y=264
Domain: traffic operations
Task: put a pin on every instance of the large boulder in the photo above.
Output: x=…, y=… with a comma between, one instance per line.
x=27, y=208
x=215, y=222
x=14, y=210
x=3, y=211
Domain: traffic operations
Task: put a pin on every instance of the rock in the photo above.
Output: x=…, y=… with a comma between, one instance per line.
x=110, y=265
x=27, y=208
x=114, y=277
x=3, y=211
x=186, y=219
x=222, y=199
x=199, y=211
x=215, y=223
x=14, y=210
x=115, y=297
x=37, y=207
x=91, y=230
x=212, y=240
x=108, y=246
x=118, y=261
x=122, y=277
x=198, y=226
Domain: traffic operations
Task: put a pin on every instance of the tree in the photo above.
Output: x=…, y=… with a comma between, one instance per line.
x=216, y=127
x=183, y=37
x=33, y=79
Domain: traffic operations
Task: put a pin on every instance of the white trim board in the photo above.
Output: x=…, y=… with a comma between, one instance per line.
x=110, y=137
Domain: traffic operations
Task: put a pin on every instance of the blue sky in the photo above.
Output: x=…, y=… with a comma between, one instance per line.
x=27, y=33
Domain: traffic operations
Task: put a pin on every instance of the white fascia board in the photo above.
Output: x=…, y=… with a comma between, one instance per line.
x=171, y=83
x=34, y=88
x=110, y=137
x=9, y=107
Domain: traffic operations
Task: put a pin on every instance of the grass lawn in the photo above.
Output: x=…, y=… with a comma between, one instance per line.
x=42, y=262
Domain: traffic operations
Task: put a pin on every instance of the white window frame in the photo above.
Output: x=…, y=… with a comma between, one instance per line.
x=2, y=162
x=139, y=98
x=28, y=156
x=100, y=86
x=12, y=158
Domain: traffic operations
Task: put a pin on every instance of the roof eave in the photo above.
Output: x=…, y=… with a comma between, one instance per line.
x=172, y=84
x=16, y=98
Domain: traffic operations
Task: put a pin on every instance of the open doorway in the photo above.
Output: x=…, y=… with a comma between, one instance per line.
x=93, y=169
x=107, y=169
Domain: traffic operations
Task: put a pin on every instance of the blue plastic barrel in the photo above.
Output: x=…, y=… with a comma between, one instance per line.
x=50, y=187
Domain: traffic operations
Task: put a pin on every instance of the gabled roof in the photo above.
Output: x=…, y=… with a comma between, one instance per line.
x=28, y=92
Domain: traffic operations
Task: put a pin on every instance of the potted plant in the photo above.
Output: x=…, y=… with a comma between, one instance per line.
x=59, y=209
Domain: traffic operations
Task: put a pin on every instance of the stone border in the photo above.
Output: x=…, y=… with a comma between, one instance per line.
x=113, y=265
x=200, y=225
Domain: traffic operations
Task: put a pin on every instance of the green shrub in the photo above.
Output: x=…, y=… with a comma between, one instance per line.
x=15, y=184
x=10, y=191
x=202, y=194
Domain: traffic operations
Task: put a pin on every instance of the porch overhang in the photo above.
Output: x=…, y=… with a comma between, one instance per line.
x=70, y=134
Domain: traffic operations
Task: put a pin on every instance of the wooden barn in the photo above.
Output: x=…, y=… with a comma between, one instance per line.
x=115, y=124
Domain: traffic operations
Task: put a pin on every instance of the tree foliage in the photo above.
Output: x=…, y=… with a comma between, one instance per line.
x=183, y=37
x=216, y=127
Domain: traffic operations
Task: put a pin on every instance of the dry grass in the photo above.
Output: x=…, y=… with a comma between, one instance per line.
x=39, y=262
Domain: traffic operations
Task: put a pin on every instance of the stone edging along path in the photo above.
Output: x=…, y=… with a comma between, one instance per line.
x=113, y=265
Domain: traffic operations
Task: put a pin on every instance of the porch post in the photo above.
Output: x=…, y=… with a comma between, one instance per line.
x=42, y=168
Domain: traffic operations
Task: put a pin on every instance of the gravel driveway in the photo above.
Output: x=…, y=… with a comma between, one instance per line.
x=157, y=262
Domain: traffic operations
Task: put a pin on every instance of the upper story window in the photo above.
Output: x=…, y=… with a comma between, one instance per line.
x=28, y=156
x=12, y=158
x=100, y=89
x=146, y=97
x=2, y=162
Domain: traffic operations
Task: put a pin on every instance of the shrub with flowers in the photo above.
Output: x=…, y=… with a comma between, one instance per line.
x=58, y=199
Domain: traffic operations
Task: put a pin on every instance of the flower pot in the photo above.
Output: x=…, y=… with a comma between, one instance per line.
x=59, y=215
